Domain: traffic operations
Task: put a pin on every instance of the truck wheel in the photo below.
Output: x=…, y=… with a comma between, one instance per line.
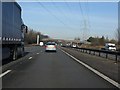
x=13, y=54
x=22, y=51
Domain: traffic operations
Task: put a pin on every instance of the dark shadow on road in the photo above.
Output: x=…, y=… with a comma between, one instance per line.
x=51, y=51
x=8, y=60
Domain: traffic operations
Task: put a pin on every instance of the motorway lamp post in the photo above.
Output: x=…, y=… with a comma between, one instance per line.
x=38, y=39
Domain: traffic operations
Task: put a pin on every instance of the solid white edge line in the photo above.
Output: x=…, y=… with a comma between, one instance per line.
x=3, y=74
x=95, y=71
x=30, y=57
x=37, y=53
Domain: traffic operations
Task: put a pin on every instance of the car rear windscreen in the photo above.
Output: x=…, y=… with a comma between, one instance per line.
x=50, y=44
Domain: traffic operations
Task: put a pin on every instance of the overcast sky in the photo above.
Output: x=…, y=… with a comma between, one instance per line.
x=67, y=20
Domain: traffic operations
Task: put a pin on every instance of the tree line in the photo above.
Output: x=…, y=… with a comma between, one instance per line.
x=31, y=36
x=100, y=41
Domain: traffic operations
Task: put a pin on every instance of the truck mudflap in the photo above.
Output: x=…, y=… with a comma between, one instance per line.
x=13, y=53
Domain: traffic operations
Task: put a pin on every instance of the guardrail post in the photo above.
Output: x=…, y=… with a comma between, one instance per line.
x=89, y=52
x=106, y=55
x=116, y=58
x=99, y=53
x=94, y=53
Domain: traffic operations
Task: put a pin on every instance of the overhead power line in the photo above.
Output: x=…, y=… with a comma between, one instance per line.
x=68, y=6
x=81, y=10
x=60, y=11
x=87, y=6
x=55, y=16
x=85, y=28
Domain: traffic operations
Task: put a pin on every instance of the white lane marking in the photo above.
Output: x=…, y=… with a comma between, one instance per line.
x=3, y=74
x=37, y=53
x=30, y=58
x=95, y=71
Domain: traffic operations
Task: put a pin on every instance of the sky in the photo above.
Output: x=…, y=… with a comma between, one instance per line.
x=67, y=20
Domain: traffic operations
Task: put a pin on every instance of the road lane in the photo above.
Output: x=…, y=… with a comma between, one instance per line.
x=106, y=66
x=52, y=70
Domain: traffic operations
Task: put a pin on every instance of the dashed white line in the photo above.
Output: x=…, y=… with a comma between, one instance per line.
x=30, y=58
x=95, y=71
x=3, y=74
x=37, y=53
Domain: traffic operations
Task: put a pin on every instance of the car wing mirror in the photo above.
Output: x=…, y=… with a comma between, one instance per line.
x=24, y=28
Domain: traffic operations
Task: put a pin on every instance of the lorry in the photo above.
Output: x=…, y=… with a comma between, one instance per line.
x=110, y=46
x=13, y=29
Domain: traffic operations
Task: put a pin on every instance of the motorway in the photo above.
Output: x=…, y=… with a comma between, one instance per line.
x=40, y=69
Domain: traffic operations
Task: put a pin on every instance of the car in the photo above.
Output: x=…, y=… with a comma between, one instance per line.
x=110, y=46
x=74, y=45
x=50, y=46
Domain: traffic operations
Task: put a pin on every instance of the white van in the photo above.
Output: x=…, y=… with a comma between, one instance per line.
x=110, y=46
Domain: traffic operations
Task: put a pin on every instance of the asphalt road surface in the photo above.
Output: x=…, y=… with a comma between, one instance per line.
x=51, y=70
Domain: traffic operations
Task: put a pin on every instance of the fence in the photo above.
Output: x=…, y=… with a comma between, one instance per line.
x=107, y=54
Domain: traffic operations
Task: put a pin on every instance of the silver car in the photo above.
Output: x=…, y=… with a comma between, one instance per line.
x=50, y=46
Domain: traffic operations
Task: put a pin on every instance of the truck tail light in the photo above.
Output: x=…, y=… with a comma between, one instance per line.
x=54, y=46
x=46, y=46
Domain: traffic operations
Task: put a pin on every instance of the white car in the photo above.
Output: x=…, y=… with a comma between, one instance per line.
x=110, y=46
x=74, y=45
x=50, y=46
x=41, y=43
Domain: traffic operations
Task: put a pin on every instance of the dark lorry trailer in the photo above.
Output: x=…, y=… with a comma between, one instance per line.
x=13, y=30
